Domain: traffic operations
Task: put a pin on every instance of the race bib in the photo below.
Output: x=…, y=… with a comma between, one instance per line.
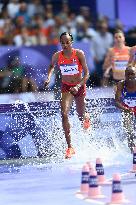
x=69, y=69
x=120, y=65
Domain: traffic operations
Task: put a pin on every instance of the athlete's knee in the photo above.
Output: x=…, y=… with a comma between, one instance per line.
x=64, y=115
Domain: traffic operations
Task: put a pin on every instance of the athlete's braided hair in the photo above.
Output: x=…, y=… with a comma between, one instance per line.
x=65, y=34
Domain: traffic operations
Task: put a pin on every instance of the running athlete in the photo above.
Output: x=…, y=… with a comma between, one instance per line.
x=116, y=59
x=72, y=63
x=125, y=99
x=132, y=59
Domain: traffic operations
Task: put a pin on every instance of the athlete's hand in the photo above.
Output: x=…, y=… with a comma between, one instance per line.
x=74, y=90
x=133, y=110
x=107, y=73
x=128, y=110
x=46, y=82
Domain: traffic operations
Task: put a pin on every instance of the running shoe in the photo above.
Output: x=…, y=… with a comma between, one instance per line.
x=69, y=152
x=87, y=123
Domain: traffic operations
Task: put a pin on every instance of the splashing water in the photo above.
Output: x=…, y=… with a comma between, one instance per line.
x=96, y=142
x=105, y=139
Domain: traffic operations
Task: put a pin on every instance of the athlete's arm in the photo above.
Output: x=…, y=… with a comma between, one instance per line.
x=51, y=68
x=107, y=66
x=107, y=63
x=82, y=59
x=132, y=60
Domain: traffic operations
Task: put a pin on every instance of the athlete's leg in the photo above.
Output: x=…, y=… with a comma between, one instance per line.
x=66, y=101
x=128, y=123
x=83, y=115
x=80, y=107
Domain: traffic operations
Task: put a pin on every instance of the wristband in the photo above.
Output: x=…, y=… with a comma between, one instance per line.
x=78, y=86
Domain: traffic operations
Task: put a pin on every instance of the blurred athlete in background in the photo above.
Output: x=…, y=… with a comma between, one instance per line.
x=116, y=59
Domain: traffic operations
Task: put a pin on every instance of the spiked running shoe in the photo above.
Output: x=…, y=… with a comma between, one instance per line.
x=86, y=123
x=69, y=152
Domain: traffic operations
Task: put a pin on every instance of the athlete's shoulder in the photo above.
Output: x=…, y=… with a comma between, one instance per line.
x=128, y=48
x=111, y=51
x=57, y=53
x=133, y=48
x=79, y=52
x=55, y=58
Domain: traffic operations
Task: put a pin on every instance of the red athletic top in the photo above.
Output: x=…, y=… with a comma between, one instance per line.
x=69, y=66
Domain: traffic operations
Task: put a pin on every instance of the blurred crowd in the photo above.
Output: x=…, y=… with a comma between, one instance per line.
x=29, y=23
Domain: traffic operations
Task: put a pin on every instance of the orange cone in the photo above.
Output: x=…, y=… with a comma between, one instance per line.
x=134, y=161
x=100, y=172
x=94, y=190
x=84, y=181
x=117, y=193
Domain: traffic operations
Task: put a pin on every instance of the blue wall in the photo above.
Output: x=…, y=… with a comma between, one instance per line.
x=127, y=12
x=106, y=8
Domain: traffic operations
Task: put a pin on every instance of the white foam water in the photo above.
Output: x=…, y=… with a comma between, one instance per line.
x=107, y=143
x=103, y=140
